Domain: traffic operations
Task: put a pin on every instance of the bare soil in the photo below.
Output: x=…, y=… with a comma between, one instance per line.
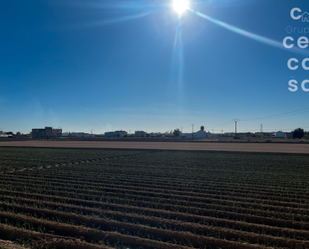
x=5, y=244
x=196, y=146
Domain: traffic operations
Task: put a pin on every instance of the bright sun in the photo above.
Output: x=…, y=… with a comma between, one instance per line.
x=180, y=6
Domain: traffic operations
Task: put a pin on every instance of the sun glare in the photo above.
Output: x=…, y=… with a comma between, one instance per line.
x=180, y=6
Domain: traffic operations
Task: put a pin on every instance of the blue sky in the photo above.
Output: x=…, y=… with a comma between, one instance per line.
x=108, y=65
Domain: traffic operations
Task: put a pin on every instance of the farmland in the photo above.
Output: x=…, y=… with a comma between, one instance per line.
x=104, y=198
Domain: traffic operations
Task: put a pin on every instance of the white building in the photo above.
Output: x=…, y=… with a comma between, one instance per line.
x=115, y=134
x=199, y=134
x=3, y=134
x=279, y=134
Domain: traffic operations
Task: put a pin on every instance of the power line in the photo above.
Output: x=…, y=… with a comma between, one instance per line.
x=224, y=123
x=281, y=114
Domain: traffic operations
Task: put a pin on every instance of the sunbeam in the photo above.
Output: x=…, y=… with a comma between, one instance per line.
x=122, y=11
x=248, y=34
x=117, y=4
x=119, y=19
x=177, y=63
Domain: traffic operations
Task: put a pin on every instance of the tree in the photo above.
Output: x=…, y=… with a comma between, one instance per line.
x=298, y=133
x=176, y=132
x=202, y=128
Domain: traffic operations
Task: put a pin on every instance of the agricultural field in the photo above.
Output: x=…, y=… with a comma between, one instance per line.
x=100, y=198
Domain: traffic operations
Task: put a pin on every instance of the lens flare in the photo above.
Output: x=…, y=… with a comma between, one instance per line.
x=248, y=34
x=180, y=6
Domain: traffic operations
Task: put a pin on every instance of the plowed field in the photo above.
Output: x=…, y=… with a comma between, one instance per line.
x=96, y=198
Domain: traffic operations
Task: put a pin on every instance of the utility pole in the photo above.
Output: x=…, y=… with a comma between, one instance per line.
x=235, y=120
x=261, y=129
x=181, y=129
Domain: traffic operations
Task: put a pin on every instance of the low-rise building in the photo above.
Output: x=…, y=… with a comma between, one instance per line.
x=80, y=134
x=77, y=134
x=279, y=134
x=140, y=133
x=229, y=134
x=156, y=134
x=115, y=134
x=289, y=135
x=199, y=134
x=47, y=132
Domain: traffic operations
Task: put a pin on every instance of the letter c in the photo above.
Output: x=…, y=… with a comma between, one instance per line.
x=293, y=15
x=304, y=63
x=285, y=40
x=289, y=64
x=303, y=86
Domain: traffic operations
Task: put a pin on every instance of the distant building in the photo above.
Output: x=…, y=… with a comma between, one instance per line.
x=289, y=135
x=229, y=134
x=4, y=134
x=80, y=134
x=199, y=134
x=280, y=134
x=115, y=134
x=47, y=132
x=156, y=134
x=140, y=133
x=268, y=134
